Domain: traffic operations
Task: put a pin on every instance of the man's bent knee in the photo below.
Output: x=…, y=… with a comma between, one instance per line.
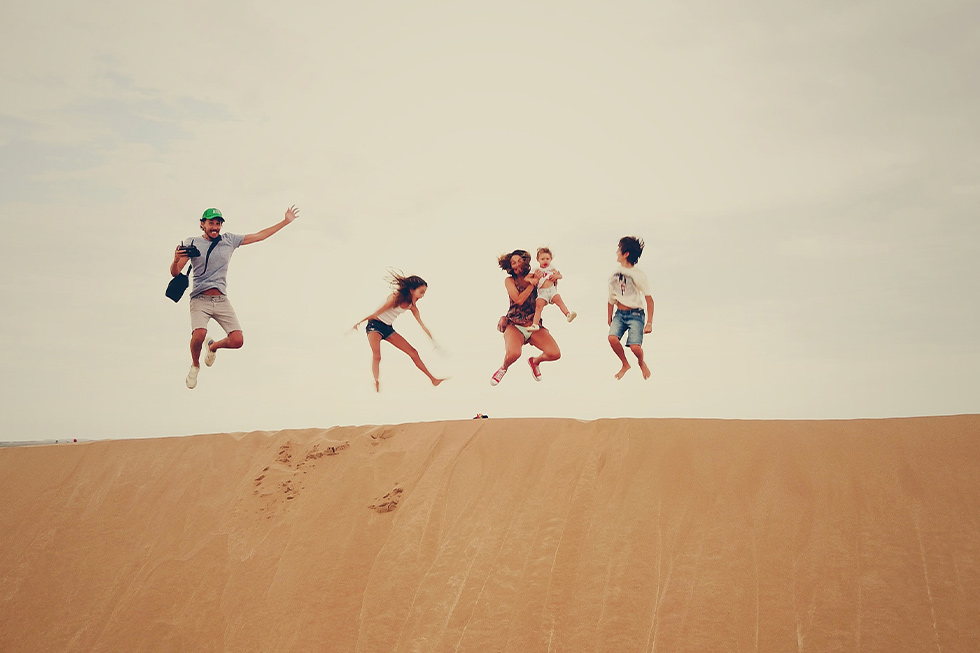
x=235, y=340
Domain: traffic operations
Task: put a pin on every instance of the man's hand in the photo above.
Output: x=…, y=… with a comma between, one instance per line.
x=291, y=214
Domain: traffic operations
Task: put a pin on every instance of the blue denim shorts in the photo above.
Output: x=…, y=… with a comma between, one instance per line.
x=380, y=327
x=631, y=321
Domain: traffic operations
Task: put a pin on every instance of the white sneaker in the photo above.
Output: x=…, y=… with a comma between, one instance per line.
x=192, y=377
x=209, y=355
x=572, y=315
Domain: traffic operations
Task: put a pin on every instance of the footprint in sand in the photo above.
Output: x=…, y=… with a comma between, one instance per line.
x=388, y=502
x=381, y=435
x=332, y=450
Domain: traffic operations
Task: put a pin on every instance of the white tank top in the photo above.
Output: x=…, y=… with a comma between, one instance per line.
x=389, y=316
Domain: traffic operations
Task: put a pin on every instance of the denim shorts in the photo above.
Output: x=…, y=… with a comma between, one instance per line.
x=380, y=327
x=632, y=321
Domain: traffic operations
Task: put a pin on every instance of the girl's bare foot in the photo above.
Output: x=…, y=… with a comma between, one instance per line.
x=437, y=381
x=377, y=386
x=621, y=372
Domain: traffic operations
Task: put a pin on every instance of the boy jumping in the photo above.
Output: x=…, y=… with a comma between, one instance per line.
x=629, y=291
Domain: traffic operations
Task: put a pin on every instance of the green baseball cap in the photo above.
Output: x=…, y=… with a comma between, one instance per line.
x=212, y=214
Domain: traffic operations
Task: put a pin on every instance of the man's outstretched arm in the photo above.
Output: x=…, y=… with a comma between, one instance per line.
x=291, y=214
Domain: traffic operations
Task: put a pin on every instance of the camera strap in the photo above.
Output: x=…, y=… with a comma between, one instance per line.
x=214, y=243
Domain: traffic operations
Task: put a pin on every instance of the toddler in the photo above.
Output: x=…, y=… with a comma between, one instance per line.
x=546, y=277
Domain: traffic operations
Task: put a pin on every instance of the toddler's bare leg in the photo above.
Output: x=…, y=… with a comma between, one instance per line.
x=560, y=304
x=539, y=305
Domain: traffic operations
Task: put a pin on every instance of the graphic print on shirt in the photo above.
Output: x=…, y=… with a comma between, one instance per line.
x=620, y=284
x=546, y=275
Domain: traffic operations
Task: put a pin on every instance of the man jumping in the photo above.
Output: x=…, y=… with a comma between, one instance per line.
x=208, y=300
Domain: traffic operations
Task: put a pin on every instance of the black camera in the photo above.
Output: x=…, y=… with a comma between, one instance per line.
x=190, y=250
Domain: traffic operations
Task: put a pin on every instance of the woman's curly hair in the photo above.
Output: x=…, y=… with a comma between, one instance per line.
x=504, y=260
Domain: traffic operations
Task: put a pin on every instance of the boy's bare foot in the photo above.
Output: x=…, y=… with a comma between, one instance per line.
x=620, y=373
x=645, y=370
x=437, y=381
x=377, y=386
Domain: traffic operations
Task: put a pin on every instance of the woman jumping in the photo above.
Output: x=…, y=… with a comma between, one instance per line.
x=516, y=325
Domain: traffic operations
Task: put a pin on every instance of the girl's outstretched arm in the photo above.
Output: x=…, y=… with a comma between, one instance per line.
x=389, y=303
x=415, y=312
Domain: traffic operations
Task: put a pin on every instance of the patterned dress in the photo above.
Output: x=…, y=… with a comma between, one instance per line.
x=522, y=314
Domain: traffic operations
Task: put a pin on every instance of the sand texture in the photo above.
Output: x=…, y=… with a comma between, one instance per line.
x=500, y=535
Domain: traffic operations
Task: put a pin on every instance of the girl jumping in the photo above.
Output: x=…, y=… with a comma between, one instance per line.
x=407, y=292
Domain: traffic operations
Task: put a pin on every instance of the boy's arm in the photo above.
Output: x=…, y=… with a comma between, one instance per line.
x=609, y=313
x=648, y=327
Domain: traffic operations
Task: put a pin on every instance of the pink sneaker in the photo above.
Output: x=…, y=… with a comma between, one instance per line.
x=497, y=376
x=534, y=369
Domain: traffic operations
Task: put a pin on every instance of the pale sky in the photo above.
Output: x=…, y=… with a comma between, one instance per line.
x=806, y=177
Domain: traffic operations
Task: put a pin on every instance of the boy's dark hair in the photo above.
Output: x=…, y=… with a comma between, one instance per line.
x=403, y=287
x=632, y=247
x=543, y=250
x=504, y=260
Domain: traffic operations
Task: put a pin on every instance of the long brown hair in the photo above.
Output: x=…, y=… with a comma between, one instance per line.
x=403, y=287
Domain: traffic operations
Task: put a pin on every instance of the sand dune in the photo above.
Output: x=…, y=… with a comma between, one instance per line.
x=500, y=535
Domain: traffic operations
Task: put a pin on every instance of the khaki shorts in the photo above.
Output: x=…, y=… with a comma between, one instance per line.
x=206, y=307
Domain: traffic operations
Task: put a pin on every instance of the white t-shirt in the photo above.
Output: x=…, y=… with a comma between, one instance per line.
x=629, y=287
x=547, y=273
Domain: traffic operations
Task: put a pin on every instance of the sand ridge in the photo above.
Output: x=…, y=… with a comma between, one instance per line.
x=500, y=535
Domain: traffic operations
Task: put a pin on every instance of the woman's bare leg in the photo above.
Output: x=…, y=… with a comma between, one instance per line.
x=549, y=348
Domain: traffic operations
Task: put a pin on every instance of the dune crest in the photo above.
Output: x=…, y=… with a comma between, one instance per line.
x=500, y=535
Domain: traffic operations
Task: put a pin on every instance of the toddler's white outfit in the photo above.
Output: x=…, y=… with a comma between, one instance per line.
x=547, y=294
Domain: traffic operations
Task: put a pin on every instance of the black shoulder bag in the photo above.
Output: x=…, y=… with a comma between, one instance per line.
x=177, y=285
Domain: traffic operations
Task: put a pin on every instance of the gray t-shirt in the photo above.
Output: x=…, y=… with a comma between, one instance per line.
x=215, y=276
